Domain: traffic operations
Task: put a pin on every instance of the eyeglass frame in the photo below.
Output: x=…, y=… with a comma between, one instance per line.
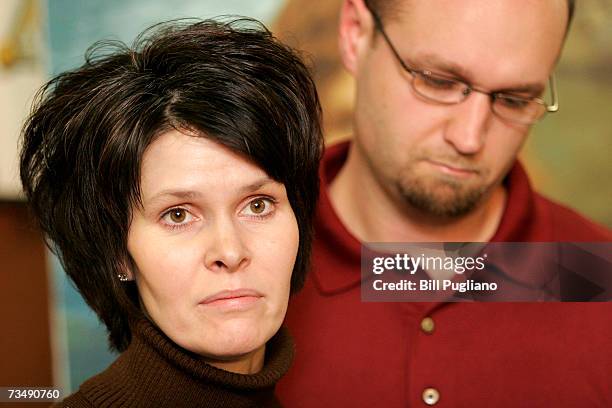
x=554, y=107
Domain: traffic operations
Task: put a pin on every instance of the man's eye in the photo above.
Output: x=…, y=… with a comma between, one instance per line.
x=438, y=82
x=176, y=216
x=258, y=207
x=512, y=102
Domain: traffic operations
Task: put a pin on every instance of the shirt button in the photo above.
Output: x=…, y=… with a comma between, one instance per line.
x=427, y=325
x=431, y=396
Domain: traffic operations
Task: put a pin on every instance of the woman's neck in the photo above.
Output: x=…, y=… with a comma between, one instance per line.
x=249, y=363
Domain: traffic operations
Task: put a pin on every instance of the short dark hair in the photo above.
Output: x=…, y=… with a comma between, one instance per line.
x=386, y=8
x=82, y=146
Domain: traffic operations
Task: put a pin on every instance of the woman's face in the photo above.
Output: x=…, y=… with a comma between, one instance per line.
x=214, y=246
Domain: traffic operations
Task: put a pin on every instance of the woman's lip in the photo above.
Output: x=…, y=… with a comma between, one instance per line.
x=232, y=296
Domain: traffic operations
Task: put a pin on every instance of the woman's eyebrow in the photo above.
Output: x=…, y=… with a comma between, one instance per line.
x=256, y=185
x=183, y=194
x=192, y=194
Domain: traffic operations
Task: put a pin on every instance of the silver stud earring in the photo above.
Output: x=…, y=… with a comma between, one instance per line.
x=122, y=277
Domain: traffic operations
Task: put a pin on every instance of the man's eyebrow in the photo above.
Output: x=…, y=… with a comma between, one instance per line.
x=446, y=67
x=437, y=63
x=534, y=89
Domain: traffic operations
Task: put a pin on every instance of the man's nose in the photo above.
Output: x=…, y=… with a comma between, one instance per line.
x=226, y=250
x=468, y=128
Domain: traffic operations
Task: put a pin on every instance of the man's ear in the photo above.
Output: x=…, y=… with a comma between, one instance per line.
x=354, y=32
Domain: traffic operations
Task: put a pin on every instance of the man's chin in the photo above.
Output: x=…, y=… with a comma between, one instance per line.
x=441, y=201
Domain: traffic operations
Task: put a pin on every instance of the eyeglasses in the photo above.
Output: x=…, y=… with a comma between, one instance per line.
x=449, y=91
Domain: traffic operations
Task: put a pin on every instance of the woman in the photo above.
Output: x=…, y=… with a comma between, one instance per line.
x=177, y=180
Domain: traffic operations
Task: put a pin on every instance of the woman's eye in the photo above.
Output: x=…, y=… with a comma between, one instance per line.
x=177, y=216
x=259, y=207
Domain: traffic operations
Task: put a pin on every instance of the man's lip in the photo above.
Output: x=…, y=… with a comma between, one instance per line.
x=454, y=169
x=231, y=294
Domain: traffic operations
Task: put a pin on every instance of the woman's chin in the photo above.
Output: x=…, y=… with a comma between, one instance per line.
x=229, y=348
x=231, y=341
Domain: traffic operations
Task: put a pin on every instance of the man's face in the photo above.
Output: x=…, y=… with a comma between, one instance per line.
x=446, y=159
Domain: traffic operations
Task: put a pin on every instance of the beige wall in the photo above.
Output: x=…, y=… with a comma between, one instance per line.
x=22, y=71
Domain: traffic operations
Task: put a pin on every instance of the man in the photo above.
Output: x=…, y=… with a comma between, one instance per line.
x=446, y=92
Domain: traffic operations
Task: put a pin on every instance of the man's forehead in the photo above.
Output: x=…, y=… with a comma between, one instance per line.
x=512, y=38
x=394, y=9
x=545, y=18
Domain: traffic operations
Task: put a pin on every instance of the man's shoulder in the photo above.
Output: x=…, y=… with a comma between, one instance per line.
x=567, y=224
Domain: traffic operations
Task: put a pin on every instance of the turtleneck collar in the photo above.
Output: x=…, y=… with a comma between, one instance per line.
x=154, y=371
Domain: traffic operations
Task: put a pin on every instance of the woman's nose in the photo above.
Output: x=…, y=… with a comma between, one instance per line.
x=226, y=251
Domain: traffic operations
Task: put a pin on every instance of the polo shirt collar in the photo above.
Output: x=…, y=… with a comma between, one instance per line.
x=335, y=242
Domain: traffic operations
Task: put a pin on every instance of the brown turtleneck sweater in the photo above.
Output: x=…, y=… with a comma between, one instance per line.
x=155, y=372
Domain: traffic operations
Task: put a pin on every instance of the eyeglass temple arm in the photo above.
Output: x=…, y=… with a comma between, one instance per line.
x=378, y=26
x=553, y=92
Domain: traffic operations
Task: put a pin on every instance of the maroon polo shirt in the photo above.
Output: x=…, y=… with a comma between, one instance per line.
x=355, y=354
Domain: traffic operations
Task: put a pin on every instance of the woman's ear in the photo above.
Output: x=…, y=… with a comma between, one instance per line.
x=354, y=32
x=125, y=269
x=124, y=277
